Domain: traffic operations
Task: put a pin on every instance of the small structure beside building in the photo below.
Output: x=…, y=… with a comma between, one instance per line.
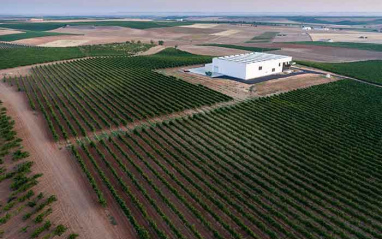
x=36, y=20
x=248, y=66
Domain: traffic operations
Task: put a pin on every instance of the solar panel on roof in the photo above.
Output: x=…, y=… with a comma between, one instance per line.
x=253, y=57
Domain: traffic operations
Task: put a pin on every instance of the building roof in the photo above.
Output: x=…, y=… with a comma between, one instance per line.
x=249, y=58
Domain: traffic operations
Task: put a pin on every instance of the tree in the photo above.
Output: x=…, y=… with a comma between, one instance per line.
x=161, y=42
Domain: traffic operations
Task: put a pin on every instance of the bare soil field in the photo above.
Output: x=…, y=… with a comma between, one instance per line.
x=201, y=26
x=211, y=50
x=76, y=206
x=290, y=83
x=64, y=43
x=8, y=32
x=322, y=53
x=348, y=36
x=226, y=33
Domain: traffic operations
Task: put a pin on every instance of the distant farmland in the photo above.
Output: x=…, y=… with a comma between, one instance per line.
x=305, y=164
x=245, y=48
x=360, y=46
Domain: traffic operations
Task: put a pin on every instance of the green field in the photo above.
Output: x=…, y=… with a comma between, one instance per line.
x=245, y=48
x=21, y=56
x=370, y=71
x=29, y=34
x=304, y=164
x=131, y=24
x=360, y=46
x=5, y=45
x=264, y=37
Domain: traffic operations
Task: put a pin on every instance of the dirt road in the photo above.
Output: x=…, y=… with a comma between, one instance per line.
x=77, y=203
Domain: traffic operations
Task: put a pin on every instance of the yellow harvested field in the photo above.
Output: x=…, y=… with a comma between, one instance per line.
x=7, y=32
x=64, y=43
x=226, y=33
x=348, y=37
x=201, y=26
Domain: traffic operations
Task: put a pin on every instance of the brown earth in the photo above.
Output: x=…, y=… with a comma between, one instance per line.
x=8, y=31
x=290, y=83
x=77, y=206
x=242, y=91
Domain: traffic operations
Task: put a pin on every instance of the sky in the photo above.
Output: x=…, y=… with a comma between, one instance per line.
x=88, y=7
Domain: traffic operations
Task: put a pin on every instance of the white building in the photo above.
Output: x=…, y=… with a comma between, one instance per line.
x=248, y=66
x=305, y=28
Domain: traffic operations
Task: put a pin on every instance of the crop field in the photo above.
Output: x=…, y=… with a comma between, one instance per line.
x=245, y=172
x=29, y=34
x=131, y=24
x=360, y=46
x=245, y=48
x=370, y=71
x=93, y=94
x=264, y=37
x=14, y=57
x=4, y=45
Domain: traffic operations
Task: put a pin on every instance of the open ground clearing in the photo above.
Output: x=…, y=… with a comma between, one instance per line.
x=8, y=32
x=242, y=91
x=64, y=43
x=201, y=26
x=226, y=33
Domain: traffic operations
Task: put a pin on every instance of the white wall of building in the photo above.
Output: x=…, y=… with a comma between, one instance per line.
x=229, y=68
x=267, y=68
x=245, y=71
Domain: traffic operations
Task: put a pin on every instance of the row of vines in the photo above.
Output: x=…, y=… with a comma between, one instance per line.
x=304, y=164
x=94, y=94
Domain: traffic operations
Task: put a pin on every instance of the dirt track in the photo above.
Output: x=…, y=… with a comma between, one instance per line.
x=77, y=203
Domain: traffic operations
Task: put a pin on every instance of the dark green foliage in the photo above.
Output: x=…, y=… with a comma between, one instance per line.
x=14, y=57
x=60, y=229
x=18, y=154
x=130, y=24
x=370, y=71
x=29, y=34
x=360, y=46
x=73, y=236
x=245, y=48
x=264, y=37
x=36, y=233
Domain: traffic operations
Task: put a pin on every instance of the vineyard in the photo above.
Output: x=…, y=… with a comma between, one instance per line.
x=5, y=45
x=370, y=71
x=304, y=164
x=21, y=56
x=84, y=96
